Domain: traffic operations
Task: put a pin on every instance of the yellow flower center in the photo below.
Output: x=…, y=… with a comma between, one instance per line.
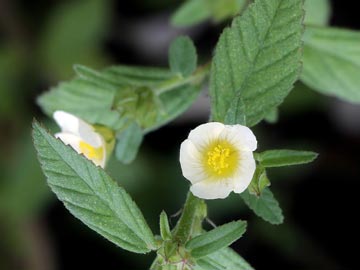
x=220, y=159
x=91, y=152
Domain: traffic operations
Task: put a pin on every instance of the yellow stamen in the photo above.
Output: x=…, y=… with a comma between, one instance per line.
x=220, y=159
x=91, y=152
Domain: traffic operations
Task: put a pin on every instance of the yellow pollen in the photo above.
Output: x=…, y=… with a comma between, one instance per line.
x=220, y=159
x=91, y=152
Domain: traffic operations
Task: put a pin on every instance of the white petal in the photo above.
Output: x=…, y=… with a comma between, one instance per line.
x=190, y=162
x=74, y=142
x=242, y=137
x=70, y=139
x=204, y=134
x=211, y=189
x=71, y=124
x=245, y=172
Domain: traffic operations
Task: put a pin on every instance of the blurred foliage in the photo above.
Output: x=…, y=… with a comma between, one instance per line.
x=73, y=34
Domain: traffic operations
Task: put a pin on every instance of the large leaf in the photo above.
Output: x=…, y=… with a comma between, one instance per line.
x=216, y=239
x=257, y=60
x=332, y=62
x=91, y=195
x=224, y=259
x=279, y=158
x=265, y=206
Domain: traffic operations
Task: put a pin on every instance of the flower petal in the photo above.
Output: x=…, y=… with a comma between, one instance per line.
x=241, y=136
x=74, y=142
x=190, y=162
x=205, y=133
x=245, y=172
x=70, y=139
x=71, y=124
x=210, y=189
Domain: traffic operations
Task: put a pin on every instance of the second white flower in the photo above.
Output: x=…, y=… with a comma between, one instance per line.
x=218, y=159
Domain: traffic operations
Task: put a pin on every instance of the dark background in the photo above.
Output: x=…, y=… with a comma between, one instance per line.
x=319, y=200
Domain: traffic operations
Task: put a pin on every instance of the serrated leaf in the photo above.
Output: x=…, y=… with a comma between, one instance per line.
x=317, y=12
x=224, y=259
x=279, y=158
x=190, y=12
x=91, y=195
x=332, y=62
x=165, y=231
x=259, y=181
x=216, y=239
x=265, y=206
x=257, y=60
x=128, y=143
x=182, y=56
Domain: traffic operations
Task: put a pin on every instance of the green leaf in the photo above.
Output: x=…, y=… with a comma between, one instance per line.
x=259, y=181
x=332, y=62
x=224, y=259
x=182, y=56
x=190, y=12
x=279, y=158
x=165, y=231
x=223, y=9
x=317, y=12
x=265, y=206
x=257, y=60
x=196, y=11
x=216, y=239
x=190, y=221
x=272, y=116
x=91, y=195
x=128, y=143
x=151, y=97
x=74, y=34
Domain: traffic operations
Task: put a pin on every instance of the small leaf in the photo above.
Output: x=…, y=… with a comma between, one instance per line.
x=257, y=60
x=91, y=195
x=128, y=143
x=265, y=206
x=216, y=239
x=272, y=116
x=165, y=231
x=225, y=258
x=279, y=158
x=223, y=9
x=332, y=62
x=259, y=181
x=190, y=12
x=317, y=12
x=182, y=56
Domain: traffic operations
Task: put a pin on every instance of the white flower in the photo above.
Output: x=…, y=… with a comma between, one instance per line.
x=81, y=136
x=218, y=159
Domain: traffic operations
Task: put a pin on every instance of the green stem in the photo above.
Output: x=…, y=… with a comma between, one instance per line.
x=198, y=77
x=189, y=224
